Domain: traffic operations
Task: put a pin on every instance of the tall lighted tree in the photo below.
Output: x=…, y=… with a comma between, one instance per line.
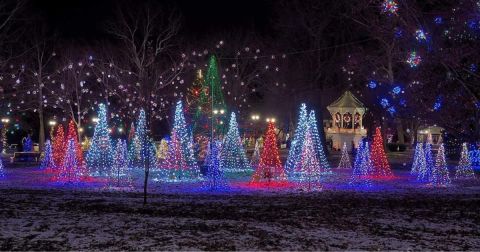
x=215, y=179
x=362, y=167
x=71, y=171
x=180, y=164
x=100, y=154
x=200, y=108
x=218, y=107
x=297, y=141
x=59, y=146
x=381, y=167
x=120, y=175
x=416, y=159
x=141, y=146
x=233, y=154
x=317, y=143
x=464, y=169
x=47, y=163
x=270, y=167
x=72, y=135
x=309, y=166
x=440, y=175
x=425, y=171
x=345, y=159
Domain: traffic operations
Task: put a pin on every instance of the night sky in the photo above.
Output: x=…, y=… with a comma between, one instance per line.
x=85, y=19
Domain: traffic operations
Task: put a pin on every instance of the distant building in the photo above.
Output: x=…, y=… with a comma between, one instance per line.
x=430, y=134
x=347, y=121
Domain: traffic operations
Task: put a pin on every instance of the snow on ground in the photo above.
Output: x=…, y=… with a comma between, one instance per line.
x=399, y=214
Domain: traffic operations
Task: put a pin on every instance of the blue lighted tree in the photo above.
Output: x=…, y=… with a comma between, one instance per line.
x=47, y=160
x=100, y=154
x=297, y=142
x=233, y=154
x=214, y=180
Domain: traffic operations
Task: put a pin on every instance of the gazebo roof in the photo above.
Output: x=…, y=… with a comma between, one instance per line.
x=347, y=100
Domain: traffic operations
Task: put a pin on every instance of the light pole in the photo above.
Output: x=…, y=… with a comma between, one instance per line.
x=255, y=118
x=52, y=124
x=5, y=122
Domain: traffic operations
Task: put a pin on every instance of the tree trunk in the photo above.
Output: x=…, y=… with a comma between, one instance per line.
x=400, y=131
x=41, y=132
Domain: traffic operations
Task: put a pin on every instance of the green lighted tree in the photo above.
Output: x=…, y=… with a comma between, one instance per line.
x=217, y=103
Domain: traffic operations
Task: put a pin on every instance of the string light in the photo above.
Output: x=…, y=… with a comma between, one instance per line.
x=362, y=166
x=233, y=154
x=381, y=167
x=47, y=163
x=464, y=168
x=345, y=159
x=440, y=175
x=70, y=171
x=58, y=147
x=390, y=7
x=297, y=141
x=309, y=166
x=425, y=171
x=120, y=175
x=414, y=59
x=419, y=162
x=100, y=154
x=215, y=180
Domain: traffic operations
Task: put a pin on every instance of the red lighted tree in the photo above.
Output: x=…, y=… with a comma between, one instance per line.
x=381, y=167
x=270, y=168
x=59, y=146
x=72, y=135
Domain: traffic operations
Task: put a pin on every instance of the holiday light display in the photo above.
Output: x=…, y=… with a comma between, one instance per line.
x=362, y=167
x=425, y=171
x=214, y=179
x=162, y=149
x=218, y=107
x=71, y=170
x=141, y=146
x=47, y=163
x=464, y=169
x=180, y=164
x=297, y=141
x=417, y=159
x=59, y=146
x=309, y=166
x=270, y=167
x=120, y=174
x=345, y=159
x=27, y=144
x=414, y=59
x=390, y=7
x=72, y=135
x=233, y=154
x=256, y=155
x=199, y=103
x=317, y=143
x=100, y=154
x=440, y=175
x=381, y=167
x=2, y=172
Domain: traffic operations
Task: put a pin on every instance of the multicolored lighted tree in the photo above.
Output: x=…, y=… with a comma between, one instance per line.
x=362, y=167
x=215, y=179
x=71, y=171
x=317, y=143
x=47, y=163
x=270, y=167
x=72, y=135
x=309, y=166
x=59, y=146
x=440, y=175
x=345, y=159
x=100, y=154
x=464, y=169
x=180, y=164
x=233, y=155
x=297, y=141
x=141, y=146
x=381, y=167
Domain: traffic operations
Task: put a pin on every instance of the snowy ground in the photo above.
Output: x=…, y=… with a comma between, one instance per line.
x=401, y=214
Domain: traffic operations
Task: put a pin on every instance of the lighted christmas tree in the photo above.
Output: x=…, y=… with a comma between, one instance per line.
x=47, y=163
x=71, y=170
x=233, y=154
x=345, y=159
x=121, y=176
x=72, y=135
x=162, y=149
x=141, y=146
x=256, y=155
x=317, y=143
x=59, y=146
x=309, y=166
x=440, y=171
x=425, y=171
x=100, y=154
x=214, y=180
x=381, y=167
x=362, y=167
x=418, y=155
x=27, y=144
x=464, y=169
x=297, y=141
x=180, y=164
x=218, y=107
x=270, y=167
x=199, y=103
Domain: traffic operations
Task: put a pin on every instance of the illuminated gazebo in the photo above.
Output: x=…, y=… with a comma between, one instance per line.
x=347, y=116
